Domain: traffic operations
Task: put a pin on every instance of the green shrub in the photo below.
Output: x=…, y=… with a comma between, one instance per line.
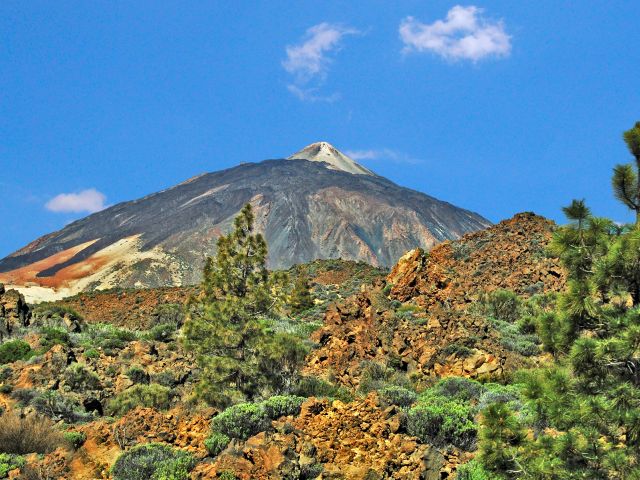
x=138, y=375
x=227, y=475
x=14, y=350
x=241, y=421
x=10, y=462
x=216, y=443
x=75, y=439
x=80, y=378
x=319, y=388
x=456, y=388
x=151, y=396
x=400, y=396
x=107, y=337
x=153, y=461
x=50, y=336
x=282, y=406
x=502, y=305
x=92, y=353
x=6, y=388
x=163, y=332
x=57, y=406
x=376, y=376
x=442, y=422
x=474, y=470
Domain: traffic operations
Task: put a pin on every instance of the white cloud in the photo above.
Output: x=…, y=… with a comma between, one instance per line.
x=464, y=35
x=384, y=154
x=308, y=62
x=90, y=200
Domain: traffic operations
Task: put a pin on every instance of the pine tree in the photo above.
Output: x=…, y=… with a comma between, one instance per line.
x=301, y=298
x=225, y=325
x=626, y=180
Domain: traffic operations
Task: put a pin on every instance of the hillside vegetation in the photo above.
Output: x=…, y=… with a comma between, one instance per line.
x=512, y=353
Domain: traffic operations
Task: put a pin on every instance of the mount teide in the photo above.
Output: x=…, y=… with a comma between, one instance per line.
x=317, y=203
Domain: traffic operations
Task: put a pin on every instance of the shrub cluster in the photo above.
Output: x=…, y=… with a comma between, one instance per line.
x=10, y=462
x=140, y=395
x=14, y=350
x=153, y=461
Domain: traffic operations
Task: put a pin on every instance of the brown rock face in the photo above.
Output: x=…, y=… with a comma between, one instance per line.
x=14, y=311
x=509, y=255
x=359, y=440
x=441, y=338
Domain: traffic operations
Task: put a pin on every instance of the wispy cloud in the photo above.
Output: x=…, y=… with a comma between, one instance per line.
x=464, y=35
x=90, y=200
x=382, y=155
x=308, y=61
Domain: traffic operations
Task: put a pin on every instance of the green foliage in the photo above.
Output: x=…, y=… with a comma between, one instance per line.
x=236, y=355
x=376, y=376
x=91, y=353
x=282, y=406
x=163, y=332
x=442, y=422
x=455, y=388
x=584, y=410
x=227, y=475
x=500, y=434
x=79, y=378
x=14, y=350
x=50, y=336
x=58, y=406
x=395, y=395
x=137, y=374
x=216, y=443
x=301, y=298
x=75, y=439
x=502, y=305
x=241, y=421
x=153, y=461
x=10, y=462
x=474, y=470
x=152, y=395
x=311, y=386
x=107, y=337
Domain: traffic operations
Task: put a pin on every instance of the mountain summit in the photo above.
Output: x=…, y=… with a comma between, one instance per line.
x=327, y=153
x=318, y=203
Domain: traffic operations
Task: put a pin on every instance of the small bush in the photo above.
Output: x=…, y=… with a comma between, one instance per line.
x=502, y=305
x=6, y=388
x=152, y=395
x=441, y=423
x=400, y=396
x=14, y=350
x=216, y=443
x=10, y=462
x=163, y=332
x=376, y=376
x=57, y=406
x=75, y=439
x=227, y=475
x=81, y=379
x=474, y=470
x=456, y=388
x=107, y=337
x=50, y=336
x=92, y=353
x=138, y=375
x=153, y=461
x=282, y=406
x=241, y=421
x=319, y=388
x=32, y=434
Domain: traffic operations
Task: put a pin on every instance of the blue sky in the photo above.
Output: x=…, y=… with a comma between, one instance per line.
x=496, y=106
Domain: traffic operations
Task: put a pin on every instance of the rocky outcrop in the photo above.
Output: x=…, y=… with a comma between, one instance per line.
x=14, y=311
x=332, y=440
x=510, y=255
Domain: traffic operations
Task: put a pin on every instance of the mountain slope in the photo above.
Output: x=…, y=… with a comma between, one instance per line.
x=309, y=208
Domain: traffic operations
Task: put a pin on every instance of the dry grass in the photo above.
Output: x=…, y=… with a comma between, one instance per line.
x=32, y=434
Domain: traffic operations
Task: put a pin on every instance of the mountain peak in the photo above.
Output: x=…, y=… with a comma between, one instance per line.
x=327, y=153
